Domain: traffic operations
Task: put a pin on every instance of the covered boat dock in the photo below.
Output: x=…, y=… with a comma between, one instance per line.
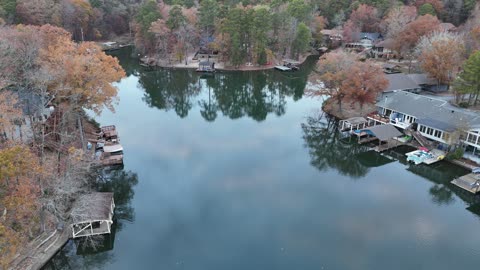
x=92, y=214
x=353, y=123
x=385, y=134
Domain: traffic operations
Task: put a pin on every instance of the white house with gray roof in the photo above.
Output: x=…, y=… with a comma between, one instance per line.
x=436, y=119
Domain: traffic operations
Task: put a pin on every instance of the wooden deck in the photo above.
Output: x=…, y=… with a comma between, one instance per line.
x=469, y=182
x=40, y=251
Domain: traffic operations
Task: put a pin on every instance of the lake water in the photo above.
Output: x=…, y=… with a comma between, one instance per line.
x=242, y=171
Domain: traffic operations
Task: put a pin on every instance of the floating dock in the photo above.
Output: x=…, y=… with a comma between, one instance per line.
x=469, y=182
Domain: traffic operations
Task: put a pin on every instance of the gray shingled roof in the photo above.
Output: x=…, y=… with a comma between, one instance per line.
x=422, y=78
x=400, y=81
x=384, y=132
x=437, y=113
x=441, y=125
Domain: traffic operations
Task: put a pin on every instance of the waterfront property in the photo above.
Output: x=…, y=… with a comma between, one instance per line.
x=385, y=134
x=364, y=40
x=92, y=214
x=433, y=119
x=108, y=150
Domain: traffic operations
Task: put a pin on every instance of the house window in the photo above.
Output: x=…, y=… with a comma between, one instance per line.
x=472, y=138
x=437, y=134
x=422, y=129
x=429, y=131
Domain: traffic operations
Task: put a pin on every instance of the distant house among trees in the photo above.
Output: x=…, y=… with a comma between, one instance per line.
x=364, y=40
x=332, y=34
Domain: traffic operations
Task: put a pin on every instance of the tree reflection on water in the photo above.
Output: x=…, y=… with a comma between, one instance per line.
x=234, y=94
x=330, y=150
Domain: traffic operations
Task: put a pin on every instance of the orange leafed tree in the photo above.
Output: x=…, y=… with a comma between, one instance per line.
x=82, y=74
x=441, y=54
x=364, y=81
x=18, y=201
x=330, y=74
x=366, y=18
x=408, y=38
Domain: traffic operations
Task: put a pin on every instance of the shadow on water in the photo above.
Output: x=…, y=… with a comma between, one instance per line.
x=330, y=149
x=120, y=182
x=440, y=174
x=253, y=94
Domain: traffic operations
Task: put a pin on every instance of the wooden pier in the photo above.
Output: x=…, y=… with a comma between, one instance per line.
x=469, y=182
x=41, y=250
x=91, y=215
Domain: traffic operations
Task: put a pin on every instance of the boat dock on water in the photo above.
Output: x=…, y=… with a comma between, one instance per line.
x=469, y=182
x=108, y=150
x=288, y=65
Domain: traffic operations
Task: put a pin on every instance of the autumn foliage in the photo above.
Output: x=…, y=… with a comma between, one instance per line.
x=19, y=206
x=344, y=79
x=407, y=39
x=44, y=61
x=441, y=55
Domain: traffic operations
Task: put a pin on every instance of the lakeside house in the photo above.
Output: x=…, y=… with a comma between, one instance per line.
x=364, y=41
x=444, y=125
x=335, y=34
x=382, y=48
x=34, y=109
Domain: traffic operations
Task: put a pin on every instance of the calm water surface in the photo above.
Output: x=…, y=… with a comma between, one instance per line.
x=241, y=171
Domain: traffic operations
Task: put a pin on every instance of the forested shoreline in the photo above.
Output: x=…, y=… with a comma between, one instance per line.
x=255, y=31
